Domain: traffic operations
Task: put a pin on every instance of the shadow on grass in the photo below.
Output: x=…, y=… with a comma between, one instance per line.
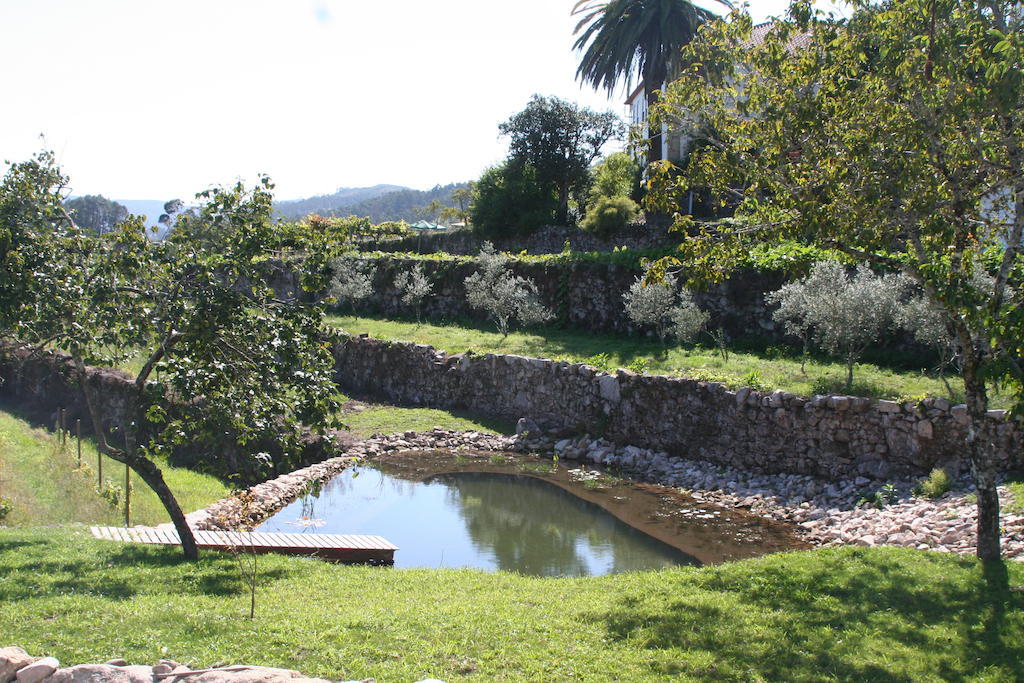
x=124, y=573
x=825, y=620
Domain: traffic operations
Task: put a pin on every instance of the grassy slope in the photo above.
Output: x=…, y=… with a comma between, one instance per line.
x=851, y=614
x=386, y=419
x=773, y=373
x=46, y=487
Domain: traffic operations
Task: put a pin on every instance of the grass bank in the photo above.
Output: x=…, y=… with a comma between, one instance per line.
x=44, y=484
x=374, y=418
x=849, y=614
x=776, y=368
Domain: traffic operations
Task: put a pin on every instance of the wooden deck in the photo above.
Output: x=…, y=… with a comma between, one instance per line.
x=337, y=547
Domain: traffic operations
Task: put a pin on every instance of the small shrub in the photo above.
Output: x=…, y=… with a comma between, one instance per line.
x=601, y=361
x=934, y=485
x=502, y=295
x=658, y=304
x=609, y=215
x=753, y=380
x=5, y=508
x=414, y=287
x=352, y=281
x=639, y=366
x=886, y=495
x=110, y=493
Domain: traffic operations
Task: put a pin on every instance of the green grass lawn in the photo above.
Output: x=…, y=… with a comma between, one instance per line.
x=849, y=614
x=44, y=484
x=385, y=419
x=766, y=371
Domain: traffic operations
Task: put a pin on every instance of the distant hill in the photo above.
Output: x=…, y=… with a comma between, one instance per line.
x=150, y=208
x=328, y=204
x=401, y=205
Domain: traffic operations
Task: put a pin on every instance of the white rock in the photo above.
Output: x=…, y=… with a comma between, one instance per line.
x=12, y=660
x=38, y=670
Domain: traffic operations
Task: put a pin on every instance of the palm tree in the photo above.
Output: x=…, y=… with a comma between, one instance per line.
x=623, y=37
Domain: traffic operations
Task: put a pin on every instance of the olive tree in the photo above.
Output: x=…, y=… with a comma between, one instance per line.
x=227, y=366
x=844, y=314
x=895, y=136
x=501, y=294
x=352, y=280
x=661, y=305
x=414, y=288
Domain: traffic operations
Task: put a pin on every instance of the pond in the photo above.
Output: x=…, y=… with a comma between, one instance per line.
x=526, y=515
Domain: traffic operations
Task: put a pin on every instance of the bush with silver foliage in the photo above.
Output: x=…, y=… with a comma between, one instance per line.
x=671, y=312
x=842, y=313
x=352, y=280
x=504, y=296
x=414, y=288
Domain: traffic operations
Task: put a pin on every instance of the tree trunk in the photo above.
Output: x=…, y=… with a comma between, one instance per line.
x=562, y=215
x=154, y=478
x=980, y=446
x=146, y=470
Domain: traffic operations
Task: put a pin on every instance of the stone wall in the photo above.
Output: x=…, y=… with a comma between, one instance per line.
x=40, y=386
x=583, y=295
x=548, y=240
x=827, y=436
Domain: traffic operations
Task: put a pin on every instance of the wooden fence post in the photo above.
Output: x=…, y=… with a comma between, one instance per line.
x=127, y=482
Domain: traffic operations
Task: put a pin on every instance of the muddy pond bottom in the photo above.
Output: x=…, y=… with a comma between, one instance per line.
x=525, y=515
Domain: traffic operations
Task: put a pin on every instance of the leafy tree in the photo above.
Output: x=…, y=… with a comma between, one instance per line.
x=227, y=366
x=415, y=287
x=96, y=213
x=844, y=314
x=503, y=295
x=352, y=281
x=619, y=38
x=508, y=199
x=171, y=211
x=671, y=312
x=895, y=137
x=463, y=198
x=560, y=140
x=617, y=175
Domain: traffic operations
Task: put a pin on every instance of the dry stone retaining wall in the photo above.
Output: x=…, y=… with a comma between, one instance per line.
x=825, y=436
x=582, y=295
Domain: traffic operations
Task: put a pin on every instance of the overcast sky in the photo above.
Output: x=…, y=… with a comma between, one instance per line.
x=150, y=99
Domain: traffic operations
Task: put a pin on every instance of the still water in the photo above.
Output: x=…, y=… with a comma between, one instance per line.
x=486, y=520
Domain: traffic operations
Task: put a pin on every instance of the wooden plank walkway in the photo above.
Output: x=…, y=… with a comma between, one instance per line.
x=337, y=547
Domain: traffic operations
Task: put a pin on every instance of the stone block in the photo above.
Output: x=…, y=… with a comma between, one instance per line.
x=38, y=670
x=840, y=403
x=960, y=414
x=608, y=385
x=13, y=660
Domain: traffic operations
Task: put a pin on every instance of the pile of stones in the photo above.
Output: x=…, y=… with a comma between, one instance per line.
x=18, y=666
x=858, y=511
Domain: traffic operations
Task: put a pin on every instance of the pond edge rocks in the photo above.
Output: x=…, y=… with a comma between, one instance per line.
x=824, y=512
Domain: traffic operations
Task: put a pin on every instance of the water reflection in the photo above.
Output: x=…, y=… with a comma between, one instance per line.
x=484, y=520
x=534, y=527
